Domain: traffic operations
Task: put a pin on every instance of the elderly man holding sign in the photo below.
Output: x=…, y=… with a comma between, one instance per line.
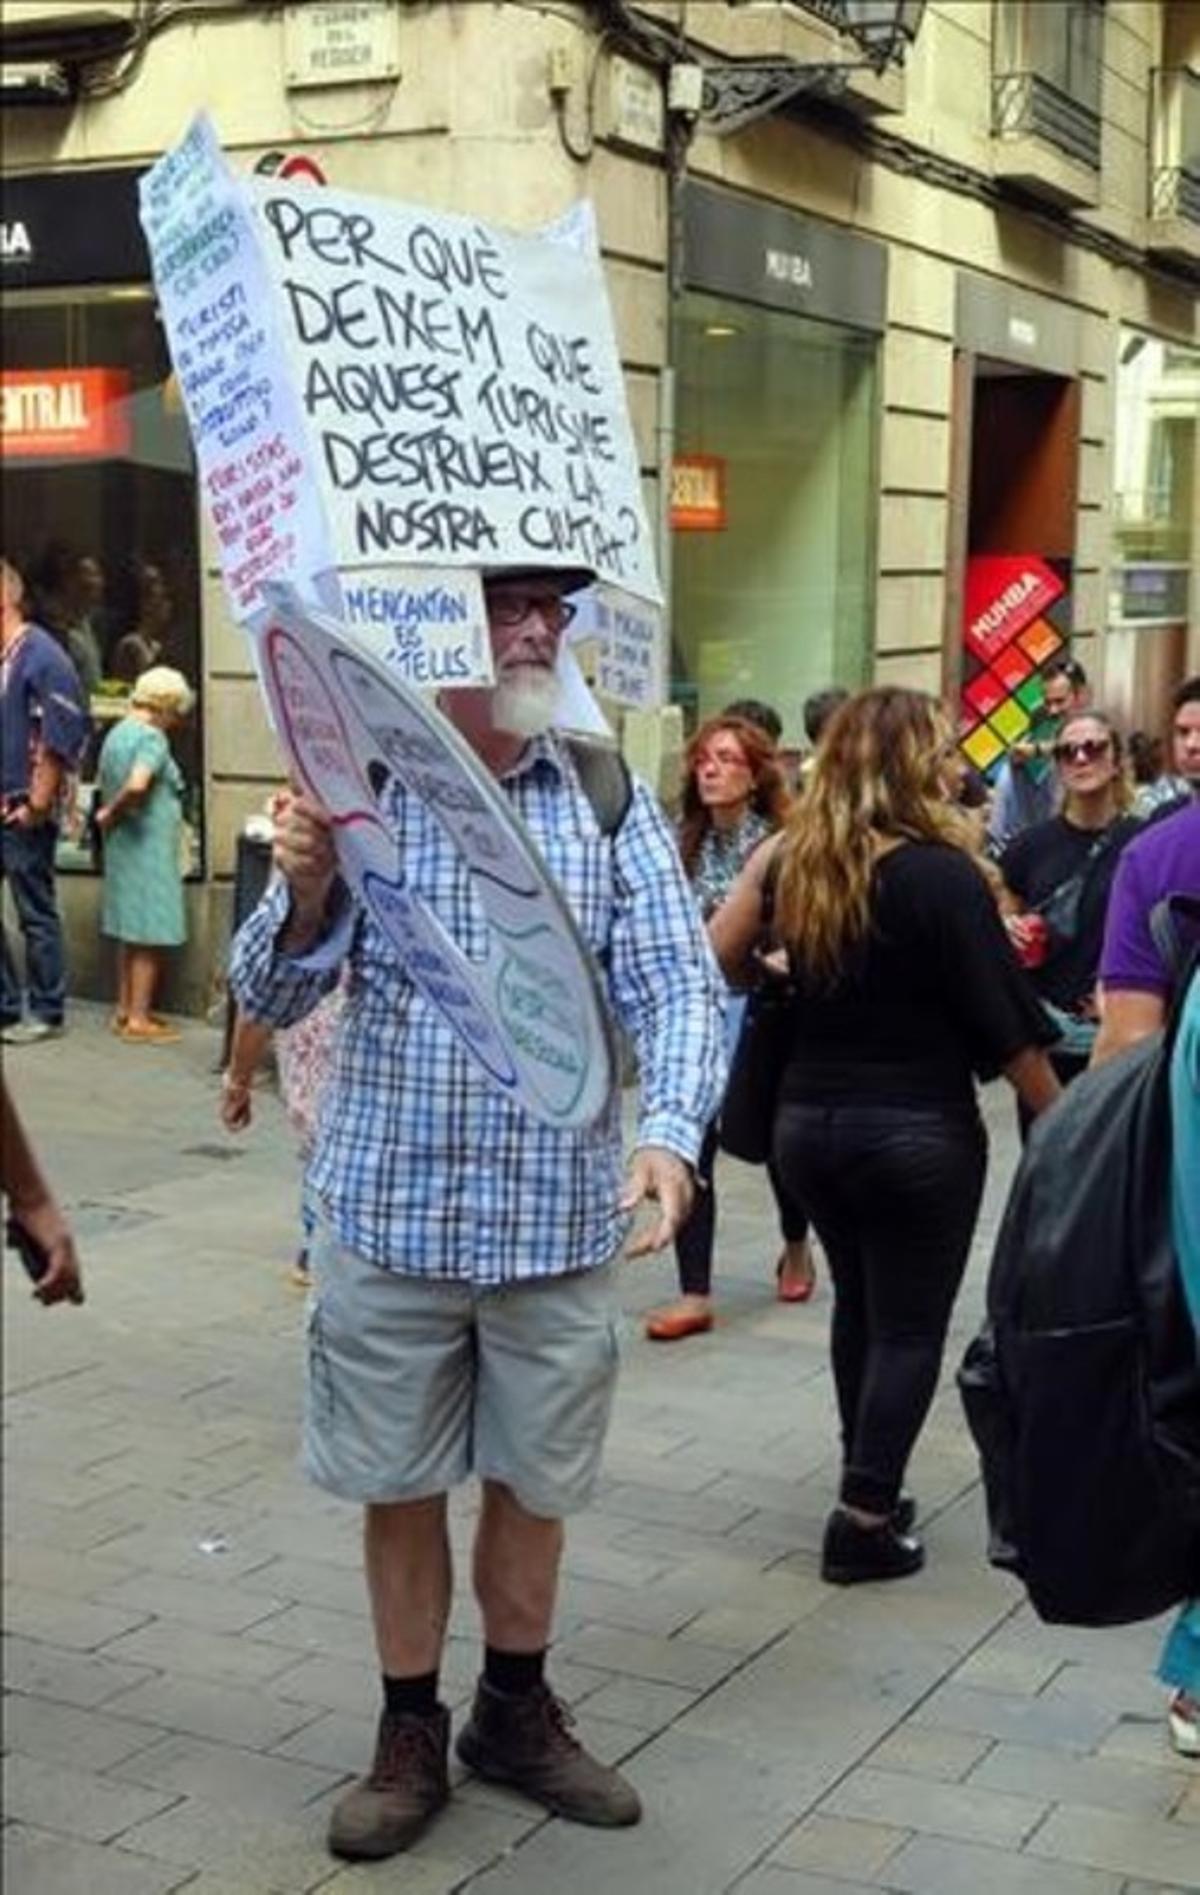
x=420, y=422
x=464, y=1316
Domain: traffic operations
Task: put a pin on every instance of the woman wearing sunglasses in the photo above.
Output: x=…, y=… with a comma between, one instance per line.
x=1058, y=875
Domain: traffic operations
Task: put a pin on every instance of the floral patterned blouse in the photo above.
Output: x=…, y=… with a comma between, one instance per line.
x=722, y=853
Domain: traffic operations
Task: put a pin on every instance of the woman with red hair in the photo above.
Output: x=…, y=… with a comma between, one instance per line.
x=734, y=796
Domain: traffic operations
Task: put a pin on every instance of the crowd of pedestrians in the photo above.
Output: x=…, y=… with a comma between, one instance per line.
x=463, y=1309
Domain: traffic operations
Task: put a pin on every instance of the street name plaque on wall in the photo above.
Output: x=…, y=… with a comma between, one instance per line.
x=341, y=42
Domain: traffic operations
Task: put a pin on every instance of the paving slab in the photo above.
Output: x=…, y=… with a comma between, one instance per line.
x=1108, y=1784
x=935, y=1865
x=839, y=1845
x=239, y=1844
x=45, y=1862
x=920, y=1751
x=225, y=1774
x=939, y=1809
x=58, y=1733
x=169, y=1644
x=210, y=1604
x=198, y=1708
x=709, y=1812
x=1050, y=1723
x=1125, y=1845
x=636, y=1654
x=78, y=1803
x=641, y=1702
x=775, y=1881
x=67, y=1677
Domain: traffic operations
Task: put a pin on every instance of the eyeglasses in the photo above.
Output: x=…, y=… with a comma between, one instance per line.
x=510, y=609
x=721, y=760
x=1085, y=751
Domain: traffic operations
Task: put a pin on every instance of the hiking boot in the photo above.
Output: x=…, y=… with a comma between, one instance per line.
x=526, y=1741
x=409, y=1782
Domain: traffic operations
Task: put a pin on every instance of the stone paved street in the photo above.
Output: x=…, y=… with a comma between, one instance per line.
x=189, y=1667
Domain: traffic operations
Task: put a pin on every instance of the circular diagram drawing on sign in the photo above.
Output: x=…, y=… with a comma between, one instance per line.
x=530, y=1012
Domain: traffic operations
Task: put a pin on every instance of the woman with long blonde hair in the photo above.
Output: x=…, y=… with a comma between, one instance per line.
x=905, y=989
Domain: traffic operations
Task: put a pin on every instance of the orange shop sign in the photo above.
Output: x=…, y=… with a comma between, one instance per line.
x=698, y=493
x=64, y=413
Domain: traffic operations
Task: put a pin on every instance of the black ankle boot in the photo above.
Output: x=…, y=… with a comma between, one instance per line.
x=852, y=1553
x=904, y=1513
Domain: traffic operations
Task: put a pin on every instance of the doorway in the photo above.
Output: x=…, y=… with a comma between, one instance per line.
x=1017, y=440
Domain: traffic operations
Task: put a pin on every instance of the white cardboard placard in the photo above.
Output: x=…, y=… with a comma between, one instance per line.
x=247, y=424
x=531, y=1014
x=377, y=388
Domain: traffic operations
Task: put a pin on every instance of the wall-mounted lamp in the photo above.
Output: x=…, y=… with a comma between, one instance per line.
x=885, y=29
x=738, y=91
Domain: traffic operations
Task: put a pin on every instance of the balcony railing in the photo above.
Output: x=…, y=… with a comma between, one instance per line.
x=828, y=10
x=1175, y=142
x=1025, y=104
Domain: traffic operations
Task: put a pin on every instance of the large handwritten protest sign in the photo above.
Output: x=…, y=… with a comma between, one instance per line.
x=407, y=396
x=463, y=387
x=386, y=403
x=530, y=1013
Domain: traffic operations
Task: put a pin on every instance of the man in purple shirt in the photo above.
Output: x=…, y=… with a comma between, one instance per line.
x=43, y=726
x=1135, y=986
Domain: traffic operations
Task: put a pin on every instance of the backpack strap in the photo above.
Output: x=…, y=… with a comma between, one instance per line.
x=1175, y=930
x=605, y=780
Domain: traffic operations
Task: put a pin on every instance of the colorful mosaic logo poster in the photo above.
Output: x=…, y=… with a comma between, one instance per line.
x=1016, y=617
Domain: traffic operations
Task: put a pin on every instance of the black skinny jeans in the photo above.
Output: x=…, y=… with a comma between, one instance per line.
x=894, y=1193
x=694, y=1244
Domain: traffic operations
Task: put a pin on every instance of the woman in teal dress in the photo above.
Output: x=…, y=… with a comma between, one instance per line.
x=140, y=818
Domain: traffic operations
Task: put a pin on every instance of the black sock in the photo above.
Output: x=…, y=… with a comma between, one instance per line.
x=513, y=1673
x=414, y=1696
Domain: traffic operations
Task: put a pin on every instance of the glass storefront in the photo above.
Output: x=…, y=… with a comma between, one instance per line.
x=100, y=508
x=773, y=578
x=1156, y=524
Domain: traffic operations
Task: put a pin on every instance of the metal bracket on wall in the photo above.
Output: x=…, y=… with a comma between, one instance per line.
x=737, y=94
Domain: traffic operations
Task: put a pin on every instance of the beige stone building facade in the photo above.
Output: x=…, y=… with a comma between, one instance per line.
x=895, y=322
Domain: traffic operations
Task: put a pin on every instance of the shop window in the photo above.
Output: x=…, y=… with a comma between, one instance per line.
x=775, y=495
x=1155, y=482
x=1047, y=73
x=100, y=510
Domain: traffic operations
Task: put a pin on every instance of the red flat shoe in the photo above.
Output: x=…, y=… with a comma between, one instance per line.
x=672, y=1325
x=793, y=1292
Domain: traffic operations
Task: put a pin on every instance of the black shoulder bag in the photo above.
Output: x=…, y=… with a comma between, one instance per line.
x=746, y=1125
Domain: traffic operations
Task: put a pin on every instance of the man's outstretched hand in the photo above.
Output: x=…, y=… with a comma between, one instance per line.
x=661, y=1176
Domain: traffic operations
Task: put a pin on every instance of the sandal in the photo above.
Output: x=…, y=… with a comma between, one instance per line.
x=792, y=1291
x=154, y=1033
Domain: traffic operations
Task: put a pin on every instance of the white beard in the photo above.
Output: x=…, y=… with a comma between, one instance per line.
x=524, y=701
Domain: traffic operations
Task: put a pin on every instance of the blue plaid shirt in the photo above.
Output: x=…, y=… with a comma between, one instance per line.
x=419, y=1165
